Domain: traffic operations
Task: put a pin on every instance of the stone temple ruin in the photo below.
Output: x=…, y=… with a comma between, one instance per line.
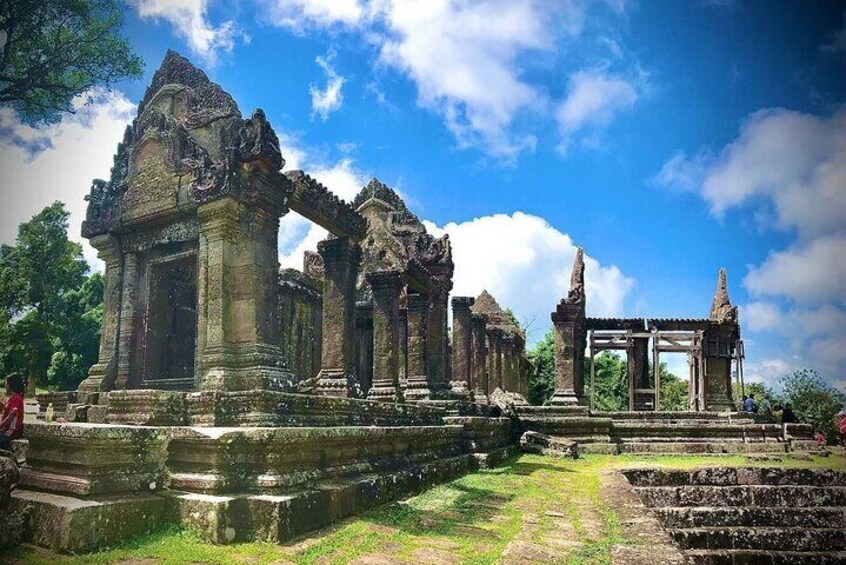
x=254, y=403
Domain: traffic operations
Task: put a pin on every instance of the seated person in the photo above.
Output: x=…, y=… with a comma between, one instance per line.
x=11, y=424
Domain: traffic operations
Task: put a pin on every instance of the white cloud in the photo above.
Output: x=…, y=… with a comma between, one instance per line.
x=768, y=371
x=322, y=13
x=593, y=99
x=329, y=99
x=190, y=20
x=526, y=264
x=790, y=169
x=813, y=273
x=59, y=162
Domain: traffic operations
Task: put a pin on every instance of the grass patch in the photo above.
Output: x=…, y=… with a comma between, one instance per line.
x=533, y=500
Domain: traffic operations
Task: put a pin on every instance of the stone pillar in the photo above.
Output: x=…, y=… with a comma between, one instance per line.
x=101, y=376
x=403, y=347
x=478, y=369
x=340, y=262
x=495, y=354
x=238, y=319
x=720, y=339
x=386, y=287
x=639, y=374
x=462, y=378
x=570, y=338
x=128, y=316
x=436, y=341
x=417, y=382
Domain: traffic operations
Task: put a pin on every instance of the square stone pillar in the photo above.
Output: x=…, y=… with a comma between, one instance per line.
x=237, y=317
x=101, y=376
x=386, y=287
x=403, y=346
x=509, y=382
x=570, y=337
x=417, y=384
x=720, y=339
x=341, y=257
x=495, y=356
x=639, y=375
x=436, y=343
x=462, y=378
x=478, y=353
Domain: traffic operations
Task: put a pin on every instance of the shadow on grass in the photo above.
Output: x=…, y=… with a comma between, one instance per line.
x=528, y=467
x=462, y=508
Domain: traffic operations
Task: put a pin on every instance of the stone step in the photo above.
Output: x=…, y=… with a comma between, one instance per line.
x=797, y=539
x=553, y=410
x=710, y=447
x=694, y=429
x=672, y=415
x=726, y=476
x=697, y=439
x=710, y=516
x=751, y=556
x=744, y=495
x=682, y=422
x=599, y=449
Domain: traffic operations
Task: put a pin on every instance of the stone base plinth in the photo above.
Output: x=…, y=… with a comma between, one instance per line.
x=268, y=408
x=70, y=524
x=338, y=383
x=566, y=398
x=482, y=434
x=91, y=459
x=146, y=407
x=59, y=400
x=384, y=392
x=219, y=461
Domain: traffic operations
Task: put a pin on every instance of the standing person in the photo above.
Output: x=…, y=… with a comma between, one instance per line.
x=767, y=408
x=841, y=425
x=11, y=425
x=787, y=415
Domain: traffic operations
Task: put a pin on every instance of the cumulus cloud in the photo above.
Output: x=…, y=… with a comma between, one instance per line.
x=790, y=167
x=190, y=20
x=58, y=162
x=322, y=13
x=526, y=264
x=593, y=99
x=327, y=100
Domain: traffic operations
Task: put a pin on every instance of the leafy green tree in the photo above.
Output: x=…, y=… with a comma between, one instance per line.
x=813, y=401
x=542, y=378
x=674, y=391
x=611, y=381
x=48, y=305
x=55, y=50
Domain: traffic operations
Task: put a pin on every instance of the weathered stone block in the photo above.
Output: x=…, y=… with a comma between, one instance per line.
x=89, y=459
x=542, y=444
x=146, y=407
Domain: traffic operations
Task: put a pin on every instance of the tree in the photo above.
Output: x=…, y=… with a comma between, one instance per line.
x=49, y=309
x=674, y=391
x=55, y=50
x=542, y=378
x=813, y=401
x=611, y=381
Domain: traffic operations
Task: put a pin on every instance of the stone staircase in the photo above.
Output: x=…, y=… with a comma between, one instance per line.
x=729, y=516
x=665, y=432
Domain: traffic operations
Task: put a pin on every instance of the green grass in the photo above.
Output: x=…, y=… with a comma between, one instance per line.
x=473, y=518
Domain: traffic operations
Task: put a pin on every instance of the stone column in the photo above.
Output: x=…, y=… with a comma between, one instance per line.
x=462, y=378
x=639, y=377
x=130, y=283
x=719, y=345
x=509, y=377
x=403, y=347
x=417, y=383
x=101, y=376
x=478, y=354
x=386, y=287
x=436, y=340
x=495, y=353
x=570, y=338
x=340, y=262
x=238, y=319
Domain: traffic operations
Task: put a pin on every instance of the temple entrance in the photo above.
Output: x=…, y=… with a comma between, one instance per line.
x=170, y=324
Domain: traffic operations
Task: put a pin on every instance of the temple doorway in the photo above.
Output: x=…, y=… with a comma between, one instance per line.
x=170, y=324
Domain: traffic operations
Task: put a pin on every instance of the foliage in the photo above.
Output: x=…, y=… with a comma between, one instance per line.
x=674, y=391
x=611, y=380
x=56, y=50
x=542, y=378
x=756, y=390
x=813, y=401
x=50, y=310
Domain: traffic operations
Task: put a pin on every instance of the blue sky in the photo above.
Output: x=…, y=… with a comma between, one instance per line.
x=667, y=138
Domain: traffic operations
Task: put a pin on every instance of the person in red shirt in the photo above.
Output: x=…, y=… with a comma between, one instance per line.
x=11, y=425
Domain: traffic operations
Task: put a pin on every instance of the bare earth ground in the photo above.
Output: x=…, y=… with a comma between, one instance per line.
x=531, y=510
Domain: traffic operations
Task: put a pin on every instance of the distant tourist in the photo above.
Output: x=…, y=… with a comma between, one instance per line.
x=787, y=415
x=749, y=404
x=767, y=408
x=11, y=426
x=821, y=441
x=841, y=425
